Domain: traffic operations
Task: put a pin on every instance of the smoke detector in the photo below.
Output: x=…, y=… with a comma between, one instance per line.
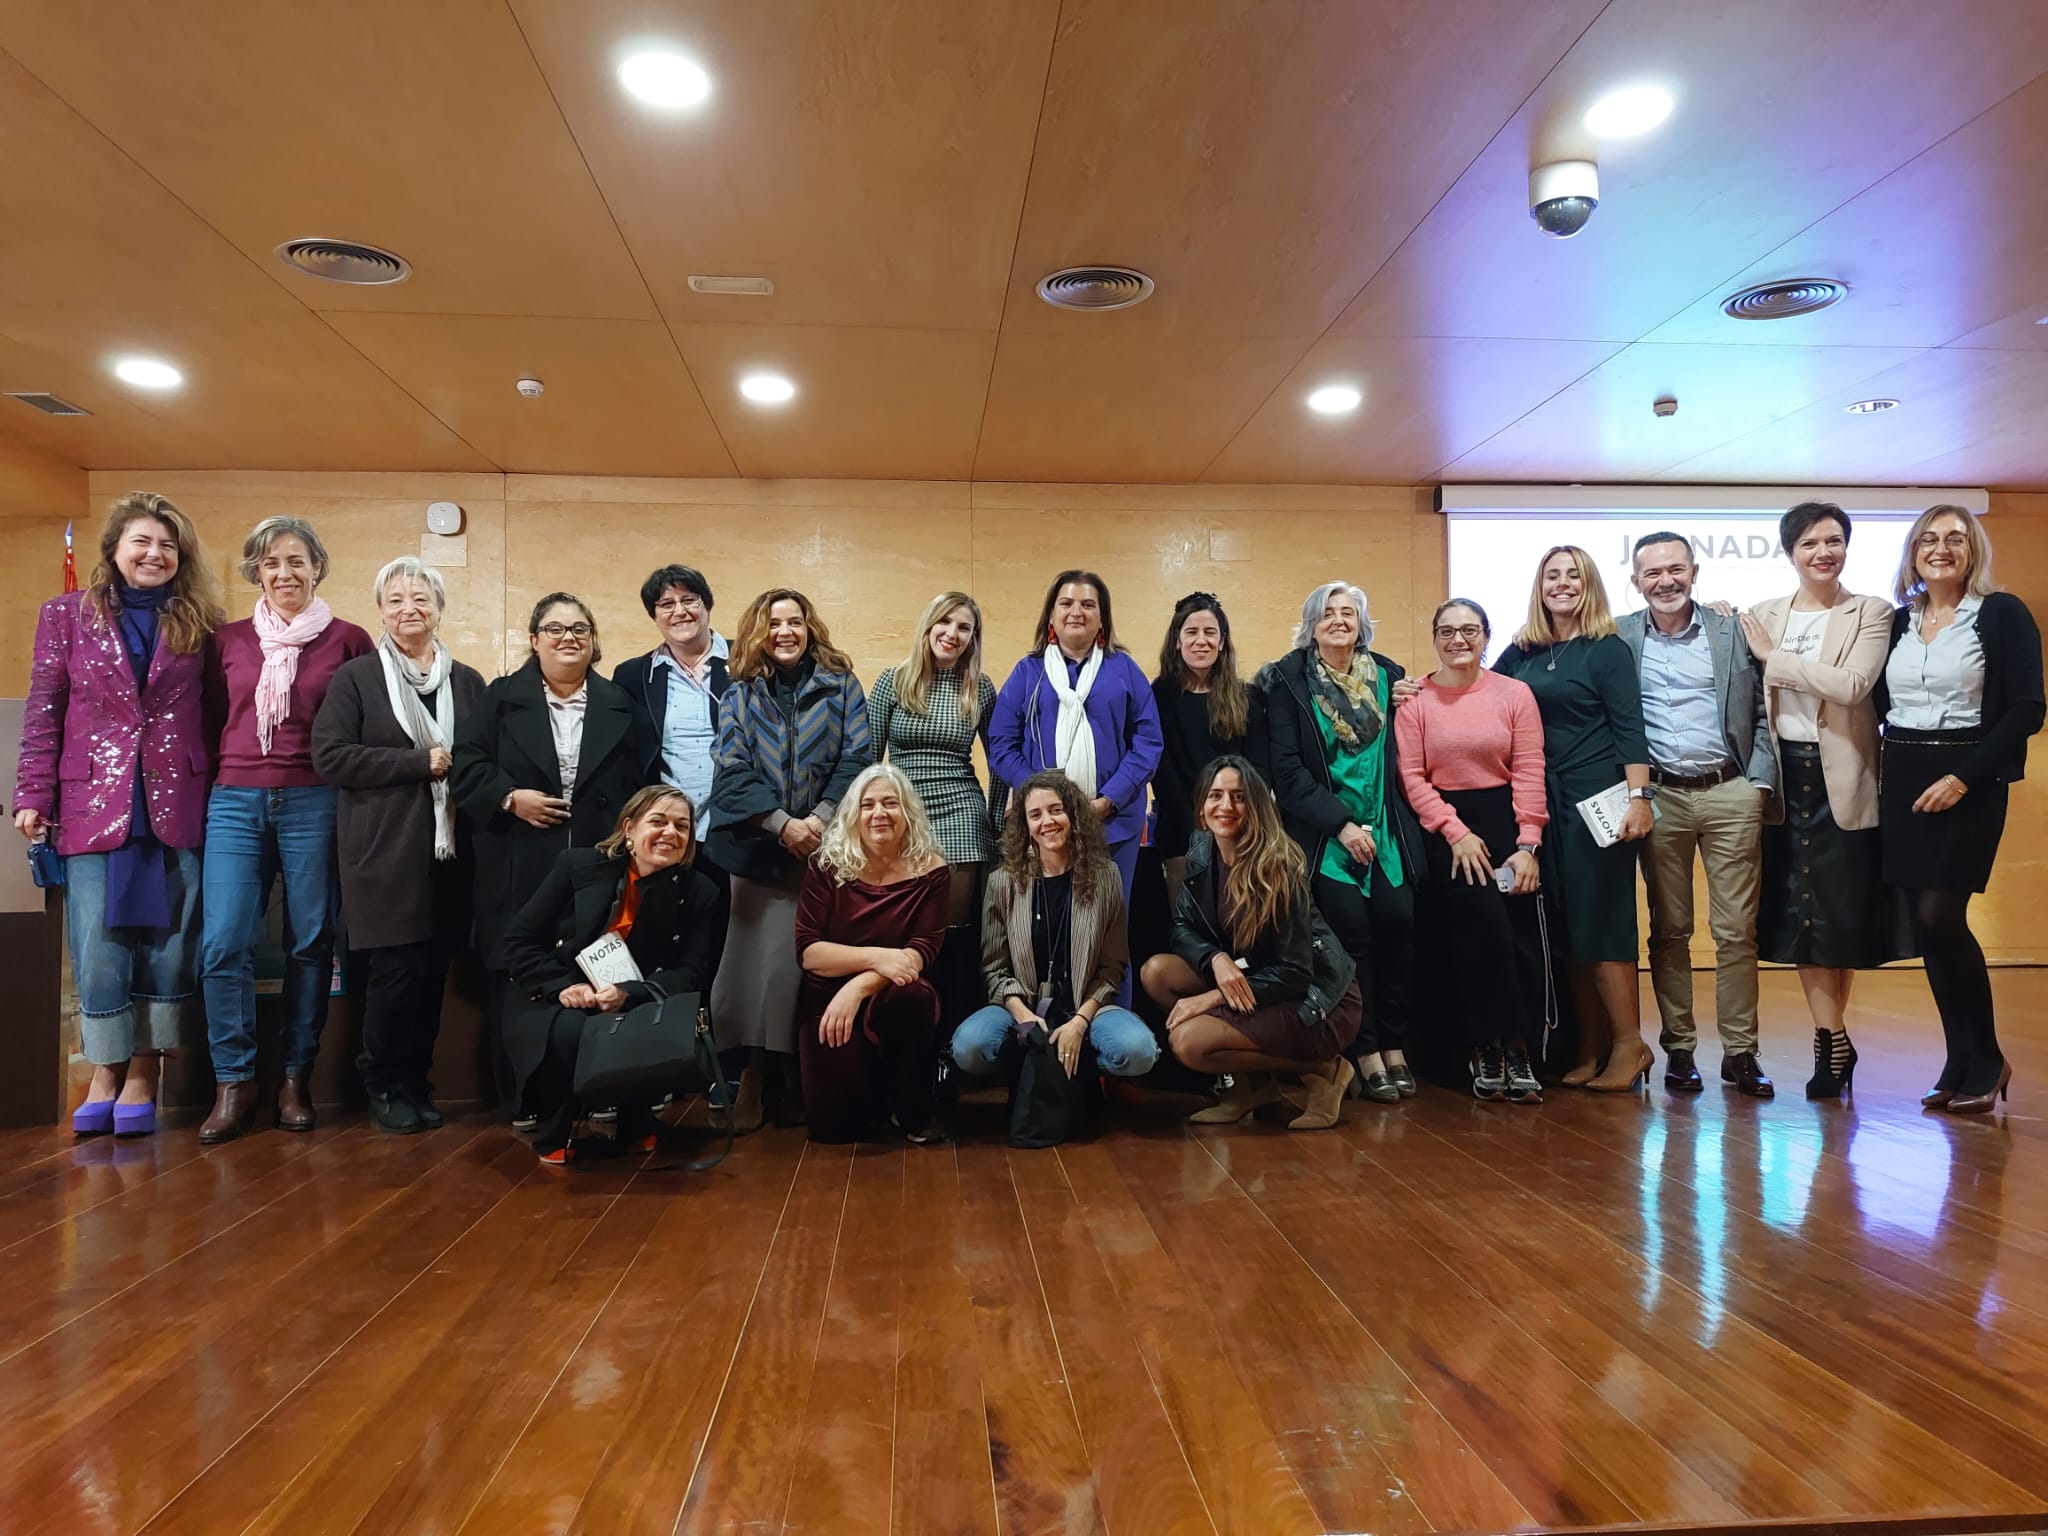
x=1095, y=288
x=345, y=261
x=1783, y=300
x=533, y=389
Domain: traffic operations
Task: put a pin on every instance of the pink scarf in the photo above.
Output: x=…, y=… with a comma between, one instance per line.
x=282, y=642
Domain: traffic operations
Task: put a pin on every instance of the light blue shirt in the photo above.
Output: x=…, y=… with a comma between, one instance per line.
x=1681, y=712
x=689, y=726
x=1938, y=684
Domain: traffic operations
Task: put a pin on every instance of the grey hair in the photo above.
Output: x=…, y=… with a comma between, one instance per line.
x=411, y=568
x=1312, y=613
x=267, y=533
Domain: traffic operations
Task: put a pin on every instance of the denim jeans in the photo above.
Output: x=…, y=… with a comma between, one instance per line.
x=132, y=982
x=252, y=837
x=1124, y=1046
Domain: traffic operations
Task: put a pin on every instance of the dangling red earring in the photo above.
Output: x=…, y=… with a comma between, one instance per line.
x=1052, y=635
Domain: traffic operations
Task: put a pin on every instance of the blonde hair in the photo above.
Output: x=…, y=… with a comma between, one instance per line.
x=194, y=609
x=1596, y=619
x=845, y=857
x=645, y=800
x=1909, y=588
x=749, y=657
x=914, y=675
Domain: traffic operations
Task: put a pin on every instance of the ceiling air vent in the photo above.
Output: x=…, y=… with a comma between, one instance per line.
x=345, y=261
x=1781, y=301
x=49, y=405
x=1095, y=288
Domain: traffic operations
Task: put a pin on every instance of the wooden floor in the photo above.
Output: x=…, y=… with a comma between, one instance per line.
x=1447, y=1316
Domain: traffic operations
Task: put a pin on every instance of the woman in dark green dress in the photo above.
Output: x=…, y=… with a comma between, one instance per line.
x=1590, y=695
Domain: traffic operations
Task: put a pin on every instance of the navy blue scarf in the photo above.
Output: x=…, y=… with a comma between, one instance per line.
x=138, y=886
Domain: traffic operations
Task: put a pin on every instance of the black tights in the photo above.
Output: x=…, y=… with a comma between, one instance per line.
x=1961, y=984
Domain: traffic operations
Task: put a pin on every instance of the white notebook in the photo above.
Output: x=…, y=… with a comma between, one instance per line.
x=608, y=963
x=1603, y=813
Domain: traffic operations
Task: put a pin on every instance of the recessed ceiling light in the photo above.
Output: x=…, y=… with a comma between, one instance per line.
x=767, y=389
x=147, y=373
x=1627, y=112
x=1869, y=407
x=665, y=79
x=2042, y=321
x=1334, y=399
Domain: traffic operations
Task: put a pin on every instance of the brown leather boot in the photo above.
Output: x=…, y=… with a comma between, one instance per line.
x=295, y=1105
x=234, y=1107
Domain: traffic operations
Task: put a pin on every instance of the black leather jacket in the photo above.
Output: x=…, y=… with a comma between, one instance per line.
x=1297, y=961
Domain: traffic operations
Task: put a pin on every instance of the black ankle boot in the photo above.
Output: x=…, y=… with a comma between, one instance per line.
x=1834, y=1064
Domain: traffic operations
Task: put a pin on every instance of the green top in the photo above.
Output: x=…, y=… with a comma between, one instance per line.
x=1358, y=776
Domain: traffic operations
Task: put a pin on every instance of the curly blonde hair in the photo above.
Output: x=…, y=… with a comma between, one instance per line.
x=845, y=857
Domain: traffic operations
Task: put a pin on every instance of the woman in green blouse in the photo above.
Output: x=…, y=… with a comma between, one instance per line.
x=1590, y=695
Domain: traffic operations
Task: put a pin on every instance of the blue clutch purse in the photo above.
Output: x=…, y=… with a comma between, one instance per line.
x=45, y=864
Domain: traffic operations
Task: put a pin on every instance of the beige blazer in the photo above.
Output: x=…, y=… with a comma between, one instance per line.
x=1853, y=650
x=1097, y=946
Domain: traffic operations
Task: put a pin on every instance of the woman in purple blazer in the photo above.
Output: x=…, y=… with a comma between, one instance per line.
x=116, y=758
x=1080, y=704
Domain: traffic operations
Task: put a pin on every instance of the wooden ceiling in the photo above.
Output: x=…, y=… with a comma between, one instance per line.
x=1322, y=191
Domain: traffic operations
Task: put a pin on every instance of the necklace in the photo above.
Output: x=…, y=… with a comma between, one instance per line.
x=1557, y=651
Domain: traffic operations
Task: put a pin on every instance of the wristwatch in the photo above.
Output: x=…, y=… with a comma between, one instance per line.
x=506, y=803
x=1642, y=792
x=1528, y=848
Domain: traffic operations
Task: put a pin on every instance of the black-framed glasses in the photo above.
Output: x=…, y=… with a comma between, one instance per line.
x=1459, y=632
x=578, y=631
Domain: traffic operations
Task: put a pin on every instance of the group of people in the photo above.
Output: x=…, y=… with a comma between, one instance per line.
x=824, y=864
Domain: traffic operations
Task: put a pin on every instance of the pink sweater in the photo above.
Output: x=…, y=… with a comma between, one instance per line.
x=1473, y=738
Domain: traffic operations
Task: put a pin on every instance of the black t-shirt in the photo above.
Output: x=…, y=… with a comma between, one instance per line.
x=1052, y=943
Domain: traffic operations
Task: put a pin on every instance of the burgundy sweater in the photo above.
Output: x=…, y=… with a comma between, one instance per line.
x=290, y=763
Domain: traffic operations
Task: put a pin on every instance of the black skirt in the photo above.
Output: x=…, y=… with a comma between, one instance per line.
x=1949, y=850
x=1824, y=898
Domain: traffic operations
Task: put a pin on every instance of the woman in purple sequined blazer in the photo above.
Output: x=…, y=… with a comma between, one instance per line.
x=116, y=758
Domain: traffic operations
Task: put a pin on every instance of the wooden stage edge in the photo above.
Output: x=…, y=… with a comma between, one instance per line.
x=1661, y=1313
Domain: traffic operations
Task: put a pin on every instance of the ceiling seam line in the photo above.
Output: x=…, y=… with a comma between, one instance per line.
x=995, y=352
x=1449, y=187
x=254, y=265
x=624, y=244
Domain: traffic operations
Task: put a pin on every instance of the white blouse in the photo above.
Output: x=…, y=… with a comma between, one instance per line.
x=1799, y=713
x=565, y=718
x=1938, y=684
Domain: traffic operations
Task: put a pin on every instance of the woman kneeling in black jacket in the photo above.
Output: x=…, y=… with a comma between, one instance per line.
x=1256, y=984
x=637, y=883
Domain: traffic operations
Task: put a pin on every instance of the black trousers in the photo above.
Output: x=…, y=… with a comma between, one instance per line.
x=402, y=993
x=1961, y=984
x=551, y=1091
x=1378, y=933
x=1498, y=960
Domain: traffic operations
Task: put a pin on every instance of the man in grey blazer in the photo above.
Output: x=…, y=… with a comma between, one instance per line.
x=1714, y=769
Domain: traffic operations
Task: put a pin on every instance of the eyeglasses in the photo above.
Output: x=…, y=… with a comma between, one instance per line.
x=1942, y=541
x=1459, y=632
x=690, y=604
x=567, y=631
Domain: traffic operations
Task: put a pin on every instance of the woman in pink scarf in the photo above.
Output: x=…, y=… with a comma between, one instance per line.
x=269, y=815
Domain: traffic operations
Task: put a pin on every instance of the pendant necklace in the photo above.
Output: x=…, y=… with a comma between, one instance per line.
x=1557, y=651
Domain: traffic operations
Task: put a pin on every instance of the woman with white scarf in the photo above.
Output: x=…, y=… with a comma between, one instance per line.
x=1081, y=704
x=270, y=815
x=385, y=739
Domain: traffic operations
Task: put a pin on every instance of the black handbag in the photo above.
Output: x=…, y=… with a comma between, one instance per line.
x=1048, y=1107
x=45, y=864
x=661, y=1046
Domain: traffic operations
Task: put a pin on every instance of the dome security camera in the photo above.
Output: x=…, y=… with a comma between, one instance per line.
x=1563, y=195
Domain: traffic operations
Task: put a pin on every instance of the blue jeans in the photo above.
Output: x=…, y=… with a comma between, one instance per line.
x=252, y=837
x=1124, y=1046
x=132, y=982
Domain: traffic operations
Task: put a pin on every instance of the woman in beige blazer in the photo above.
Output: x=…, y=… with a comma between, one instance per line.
x=1824, y=907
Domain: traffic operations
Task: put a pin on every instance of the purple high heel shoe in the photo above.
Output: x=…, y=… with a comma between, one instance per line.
x=95, y=1118
x=134, y=1119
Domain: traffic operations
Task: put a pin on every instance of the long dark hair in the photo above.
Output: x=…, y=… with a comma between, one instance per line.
x=1268, y=874
x=1089, y=862
x=1106, y=640
x=1229, y=702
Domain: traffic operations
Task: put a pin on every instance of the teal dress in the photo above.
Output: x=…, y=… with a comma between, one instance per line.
x=1591, y=698
x=1358, y=776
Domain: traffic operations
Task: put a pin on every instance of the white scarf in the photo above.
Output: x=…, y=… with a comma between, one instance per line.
x=1073, y=737
x=282, y=640
x=405, y=688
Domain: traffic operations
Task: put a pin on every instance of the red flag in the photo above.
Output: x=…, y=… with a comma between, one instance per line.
x=70, y=563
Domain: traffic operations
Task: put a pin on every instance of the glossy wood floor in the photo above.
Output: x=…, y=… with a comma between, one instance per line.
x=1448, y=1316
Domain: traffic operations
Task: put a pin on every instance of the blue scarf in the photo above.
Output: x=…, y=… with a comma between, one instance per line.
x=138, y=886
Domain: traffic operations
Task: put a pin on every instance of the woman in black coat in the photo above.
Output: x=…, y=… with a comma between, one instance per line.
x=1206, y=710
x=546, y=762
x=1329, y=716
x=384, y=739
x=638, y=884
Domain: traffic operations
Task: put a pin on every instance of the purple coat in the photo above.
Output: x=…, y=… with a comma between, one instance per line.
x=86, y=732
x=1121, y=714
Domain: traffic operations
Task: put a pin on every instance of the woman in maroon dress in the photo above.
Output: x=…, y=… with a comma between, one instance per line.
x=869, y=924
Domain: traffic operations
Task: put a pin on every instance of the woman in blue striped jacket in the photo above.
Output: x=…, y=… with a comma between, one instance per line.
x=792, y=735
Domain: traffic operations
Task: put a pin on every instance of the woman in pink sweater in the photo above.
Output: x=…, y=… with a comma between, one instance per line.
x=1471, y=754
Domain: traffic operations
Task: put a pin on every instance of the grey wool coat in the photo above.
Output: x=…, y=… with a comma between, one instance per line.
x=385, y=817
